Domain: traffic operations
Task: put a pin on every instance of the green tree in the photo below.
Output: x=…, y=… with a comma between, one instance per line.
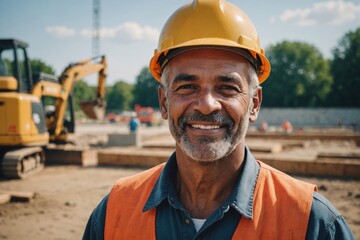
x=82, y=92
x=38, y=65
x=345, y=70
x=119, y=97
x=300, y=76
x=145, y=89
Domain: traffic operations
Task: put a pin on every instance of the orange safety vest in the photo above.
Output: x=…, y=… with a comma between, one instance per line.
x=281, y=207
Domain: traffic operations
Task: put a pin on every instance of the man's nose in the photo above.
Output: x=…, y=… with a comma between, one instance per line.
x=207, y=102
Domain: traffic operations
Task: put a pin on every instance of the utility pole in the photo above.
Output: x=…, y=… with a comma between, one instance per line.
x=96, y=28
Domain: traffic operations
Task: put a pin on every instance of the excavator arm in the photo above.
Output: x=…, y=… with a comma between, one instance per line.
x=62, y=89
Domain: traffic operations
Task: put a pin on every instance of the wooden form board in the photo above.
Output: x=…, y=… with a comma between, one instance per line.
x=345, y=155
x=82, y=157
x=134, y=159
x=316, y=168
x=16, y=196
x=264, y=147
x=308, y=136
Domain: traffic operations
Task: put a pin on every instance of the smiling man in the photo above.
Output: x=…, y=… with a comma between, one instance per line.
x=210, y=64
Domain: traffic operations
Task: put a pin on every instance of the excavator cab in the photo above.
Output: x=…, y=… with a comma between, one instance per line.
x=15, y=71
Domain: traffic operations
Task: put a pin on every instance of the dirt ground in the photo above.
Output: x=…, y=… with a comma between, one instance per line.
x=66, y=196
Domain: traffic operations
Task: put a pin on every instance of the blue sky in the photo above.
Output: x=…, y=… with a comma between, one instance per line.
x=58, y=31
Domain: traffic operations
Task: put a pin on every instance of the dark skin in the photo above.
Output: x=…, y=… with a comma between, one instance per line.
x=207, y=81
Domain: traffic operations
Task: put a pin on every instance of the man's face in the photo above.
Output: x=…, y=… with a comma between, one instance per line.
x=208, y=103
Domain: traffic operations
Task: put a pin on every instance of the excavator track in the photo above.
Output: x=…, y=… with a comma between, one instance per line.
x=22, y=163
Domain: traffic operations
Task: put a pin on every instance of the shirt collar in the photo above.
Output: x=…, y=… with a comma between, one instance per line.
x=165, y=185
x=241, y=199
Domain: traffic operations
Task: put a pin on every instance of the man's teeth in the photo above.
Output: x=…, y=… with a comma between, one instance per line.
x=205, y=126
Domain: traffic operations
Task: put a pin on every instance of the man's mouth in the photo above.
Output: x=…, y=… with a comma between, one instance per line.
x=199, y=123
x=205, y=127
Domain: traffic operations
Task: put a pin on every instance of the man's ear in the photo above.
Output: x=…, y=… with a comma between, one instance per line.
x=162, y=102
x=256, y=103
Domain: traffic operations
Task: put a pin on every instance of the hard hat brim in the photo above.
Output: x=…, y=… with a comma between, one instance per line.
x=263, y=72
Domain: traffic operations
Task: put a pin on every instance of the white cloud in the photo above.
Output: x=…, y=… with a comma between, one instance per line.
x=133, y=31
x=127, y=32
x=60, y=31
x=330, y=12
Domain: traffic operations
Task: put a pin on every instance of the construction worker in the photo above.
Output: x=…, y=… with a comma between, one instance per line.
x=263, y=126
x=133, y=123
x=210, y=64
x=287, y=126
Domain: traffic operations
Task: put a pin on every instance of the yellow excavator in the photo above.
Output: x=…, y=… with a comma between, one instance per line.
x=26, y=124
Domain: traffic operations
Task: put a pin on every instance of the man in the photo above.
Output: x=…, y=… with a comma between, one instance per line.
x=210, y=65
x=133, y=123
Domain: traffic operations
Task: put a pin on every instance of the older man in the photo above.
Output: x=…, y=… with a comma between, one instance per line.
x=210, y=65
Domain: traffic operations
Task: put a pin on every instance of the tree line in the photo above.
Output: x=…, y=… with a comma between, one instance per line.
x=300, y=77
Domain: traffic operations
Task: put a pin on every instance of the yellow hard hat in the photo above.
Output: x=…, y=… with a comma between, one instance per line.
x=209, y=23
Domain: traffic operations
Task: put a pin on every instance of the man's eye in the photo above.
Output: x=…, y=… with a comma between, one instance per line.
x=185, y=87
x=229, y=88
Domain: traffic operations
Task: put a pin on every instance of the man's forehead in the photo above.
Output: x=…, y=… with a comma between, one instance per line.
x=193, y=75
x=223, y=77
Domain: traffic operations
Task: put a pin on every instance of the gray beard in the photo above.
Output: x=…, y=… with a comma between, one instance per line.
x=209, y=149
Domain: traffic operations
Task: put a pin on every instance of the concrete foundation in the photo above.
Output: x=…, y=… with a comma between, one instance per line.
x=122, y=140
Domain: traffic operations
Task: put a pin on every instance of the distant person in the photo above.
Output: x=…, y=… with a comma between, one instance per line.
x=287, y=126
x=133, y=124
x=210, y=64
x=263, y=126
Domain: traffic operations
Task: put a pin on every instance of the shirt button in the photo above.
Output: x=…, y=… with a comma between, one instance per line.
x=187, y=221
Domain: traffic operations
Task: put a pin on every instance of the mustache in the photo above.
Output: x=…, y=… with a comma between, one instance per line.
x=214, y=117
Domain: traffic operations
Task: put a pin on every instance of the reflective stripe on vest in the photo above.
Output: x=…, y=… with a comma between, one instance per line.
x=281, y=207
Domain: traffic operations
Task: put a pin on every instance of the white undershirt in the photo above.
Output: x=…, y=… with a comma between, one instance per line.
x=198, y=223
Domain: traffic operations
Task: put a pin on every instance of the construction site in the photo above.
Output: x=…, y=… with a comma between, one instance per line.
x=55, y=167
x=55, y=170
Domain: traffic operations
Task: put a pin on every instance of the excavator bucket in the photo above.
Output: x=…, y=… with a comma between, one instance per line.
x=94, y=109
